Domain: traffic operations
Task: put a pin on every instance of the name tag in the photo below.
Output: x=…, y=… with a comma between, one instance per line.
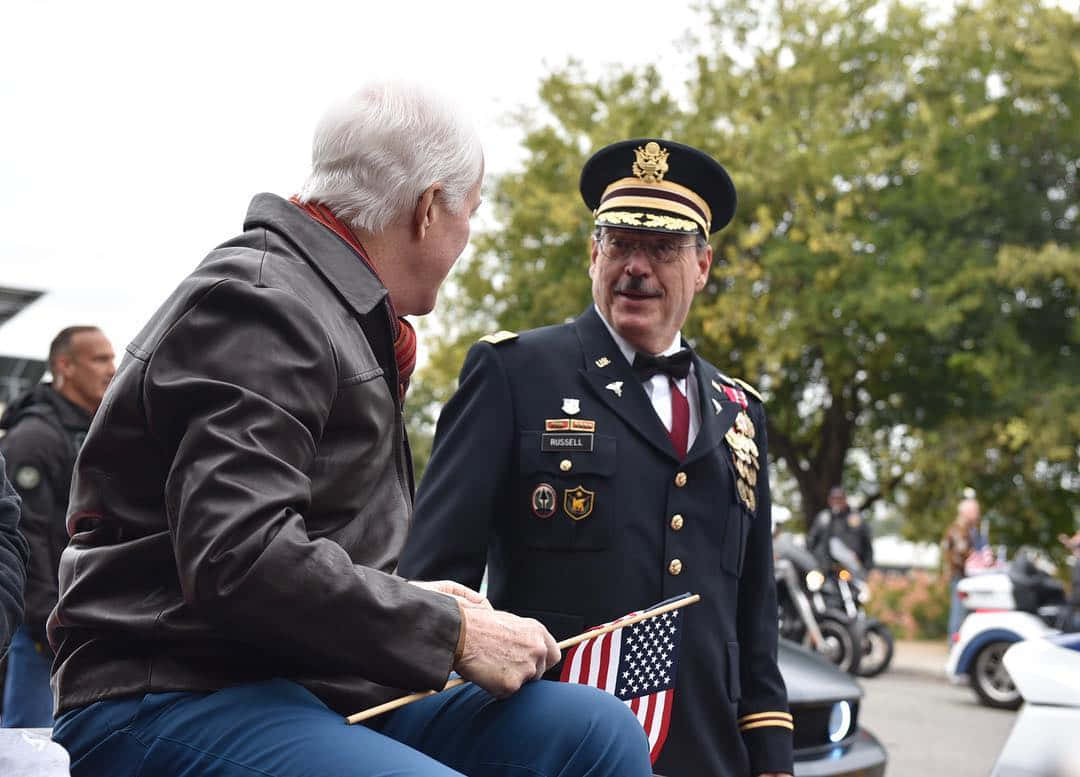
x=581, y=443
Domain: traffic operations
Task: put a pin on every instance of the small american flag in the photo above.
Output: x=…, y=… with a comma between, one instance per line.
x=637, y=664
x=981, y=560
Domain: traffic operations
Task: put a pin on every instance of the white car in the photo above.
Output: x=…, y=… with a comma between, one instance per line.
x=1044, y=740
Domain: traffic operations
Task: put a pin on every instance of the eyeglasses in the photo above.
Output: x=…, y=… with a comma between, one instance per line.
x=618, y=248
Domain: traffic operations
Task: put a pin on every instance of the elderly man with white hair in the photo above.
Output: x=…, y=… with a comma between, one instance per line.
x=229, y=591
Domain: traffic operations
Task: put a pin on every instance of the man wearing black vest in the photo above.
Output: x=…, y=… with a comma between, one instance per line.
x=601, y=466
x=44, y=430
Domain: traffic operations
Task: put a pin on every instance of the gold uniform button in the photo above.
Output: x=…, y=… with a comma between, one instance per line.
x=680, y=480
x=675, y=567
x=676, y=522
x=565, y=465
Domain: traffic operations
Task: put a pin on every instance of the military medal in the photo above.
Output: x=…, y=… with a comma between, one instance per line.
x=746, y=495
x=746, y=472
x=740, y=439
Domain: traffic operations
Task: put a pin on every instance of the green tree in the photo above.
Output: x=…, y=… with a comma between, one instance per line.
x=901, y=276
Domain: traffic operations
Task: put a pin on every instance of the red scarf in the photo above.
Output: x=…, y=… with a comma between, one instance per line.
x=404, y=334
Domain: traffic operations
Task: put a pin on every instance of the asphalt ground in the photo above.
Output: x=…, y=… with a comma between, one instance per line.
x=928, y=725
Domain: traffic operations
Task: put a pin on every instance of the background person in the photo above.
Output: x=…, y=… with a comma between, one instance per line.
x=600, y=466
x=44, y=431
x=237, y=511
x=847, y=525
x=962, y=538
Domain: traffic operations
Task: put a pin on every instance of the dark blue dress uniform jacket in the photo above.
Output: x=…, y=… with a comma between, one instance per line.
x=474, y=507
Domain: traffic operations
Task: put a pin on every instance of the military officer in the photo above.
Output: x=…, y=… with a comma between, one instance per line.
x=600, y=466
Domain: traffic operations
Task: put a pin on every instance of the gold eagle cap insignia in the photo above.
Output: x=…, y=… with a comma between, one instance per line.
x=650, y=162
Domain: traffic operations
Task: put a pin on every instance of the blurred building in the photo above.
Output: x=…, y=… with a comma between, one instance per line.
x=17, y=373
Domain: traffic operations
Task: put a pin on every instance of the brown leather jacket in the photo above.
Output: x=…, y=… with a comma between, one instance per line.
x=240, y=501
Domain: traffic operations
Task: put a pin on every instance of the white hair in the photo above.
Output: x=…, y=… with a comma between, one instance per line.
x=375, y=153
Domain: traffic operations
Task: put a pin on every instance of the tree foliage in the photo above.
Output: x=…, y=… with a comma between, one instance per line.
x=902, y=277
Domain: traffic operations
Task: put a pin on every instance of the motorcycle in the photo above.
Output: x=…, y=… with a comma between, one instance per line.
x=846, y=588
x=803, y=614
x=1022, y=601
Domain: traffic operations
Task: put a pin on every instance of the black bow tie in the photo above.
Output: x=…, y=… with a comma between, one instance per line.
x=676, y=366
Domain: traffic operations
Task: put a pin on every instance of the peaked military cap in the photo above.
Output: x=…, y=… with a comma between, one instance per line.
x=657, y=185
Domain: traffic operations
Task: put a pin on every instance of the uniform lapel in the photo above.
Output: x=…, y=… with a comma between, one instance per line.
x=717, y=411
x=609, y=376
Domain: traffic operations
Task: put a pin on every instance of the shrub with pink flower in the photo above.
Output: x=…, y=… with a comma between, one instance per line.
x=914, y=604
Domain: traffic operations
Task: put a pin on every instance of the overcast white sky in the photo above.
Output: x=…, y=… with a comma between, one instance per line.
x=132, y=135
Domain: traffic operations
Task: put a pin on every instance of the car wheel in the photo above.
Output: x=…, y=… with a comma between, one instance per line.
x=991, y=680
x=840, y=646
x=877, y=649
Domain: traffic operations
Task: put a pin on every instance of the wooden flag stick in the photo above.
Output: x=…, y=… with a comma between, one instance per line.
x=393, y=704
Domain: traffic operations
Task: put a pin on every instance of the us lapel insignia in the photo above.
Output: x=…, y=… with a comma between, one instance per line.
x=602, y=362
x=571, y=406
x=578, y=502
x=717, y=406
x=615, y=388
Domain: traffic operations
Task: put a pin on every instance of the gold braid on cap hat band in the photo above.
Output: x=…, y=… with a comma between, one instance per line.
x=661, y=195
x=622, y=218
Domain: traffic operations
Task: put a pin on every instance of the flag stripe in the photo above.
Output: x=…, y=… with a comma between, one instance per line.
x=642, y=710
x=571, y=669
x=650, y=721
x=603, y=669
x=586, y=661
x=665, y=720
x=596, y=658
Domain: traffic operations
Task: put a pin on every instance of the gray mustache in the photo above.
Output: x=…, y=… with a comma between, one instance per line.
x=635, y=284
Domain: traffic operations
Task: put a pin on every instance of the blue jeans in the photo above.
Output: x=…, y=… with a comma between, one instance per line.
x=28, y=701
x=279, y=729
x=957, y=611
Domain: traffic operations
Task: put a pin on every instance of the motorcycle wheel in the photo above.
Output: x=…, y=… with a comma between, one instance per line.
x=990, y=680
x=841, y=647
x=877, y=649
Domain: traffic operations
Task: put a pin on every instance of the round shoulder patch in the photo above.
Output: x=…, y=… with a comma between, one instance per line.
x=27, y=477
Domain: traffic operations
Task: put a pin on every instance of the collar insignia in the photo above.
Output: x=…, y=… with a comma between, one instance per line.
x=615, y=387
x=603, y=361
